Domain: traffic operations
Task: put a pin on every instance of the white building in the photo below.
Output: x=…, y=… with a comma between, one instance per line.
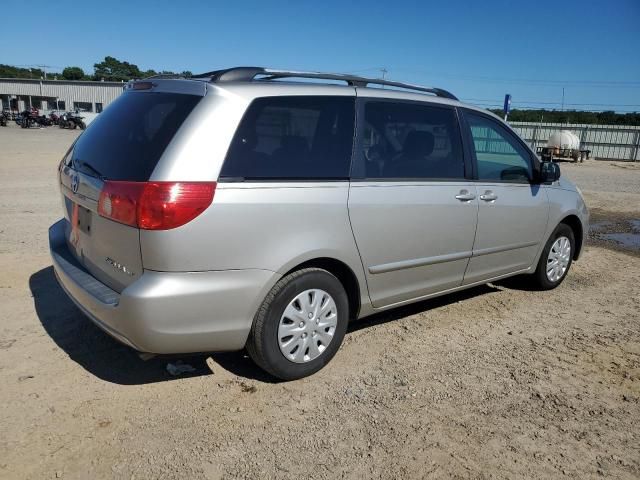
x=19, y=94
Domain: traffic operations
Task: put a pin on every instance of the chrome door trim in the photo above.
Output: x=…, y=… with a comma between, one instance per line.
x=504, y=248
x=446, y=291
x=418, y=262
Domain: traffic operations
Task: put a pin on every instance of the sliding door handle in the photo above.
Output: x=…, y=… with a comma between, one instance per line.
x=488, y=196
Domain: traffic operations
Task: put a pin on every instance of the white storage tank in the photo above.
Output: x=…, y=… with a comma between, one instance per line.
x=564, y=139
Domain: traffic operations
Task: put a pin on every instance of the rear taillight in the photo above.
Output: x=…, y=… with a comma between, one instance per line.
x=155, y=205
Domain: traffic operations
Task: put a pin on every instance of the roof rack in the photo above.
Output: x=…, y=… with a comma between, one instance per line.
x=248, y=74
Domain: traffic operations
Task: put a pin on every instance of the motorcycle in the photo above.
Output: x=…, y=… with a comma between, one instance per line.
x=43, y=121
x=25, y=119
x=32, y=118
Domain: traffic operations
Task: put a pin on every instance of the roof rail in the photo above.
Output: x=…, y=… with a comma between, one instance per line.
x=248, y=74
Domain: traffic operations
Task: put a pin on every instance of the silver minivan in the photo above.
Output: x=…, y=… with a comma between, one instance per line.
x=266, y=209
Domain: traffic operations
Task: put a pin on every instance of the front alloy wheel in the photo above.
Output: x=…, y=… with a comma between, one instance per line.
x=555, y=260
x=558, y=259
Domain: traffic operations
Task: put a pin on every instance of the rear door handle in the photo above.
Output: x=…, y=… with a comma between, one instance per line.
x=465, y=196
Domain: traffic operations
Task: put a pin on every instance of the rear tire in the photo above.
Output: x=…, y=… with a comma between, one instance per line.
x=300, y=325
x=556, y=259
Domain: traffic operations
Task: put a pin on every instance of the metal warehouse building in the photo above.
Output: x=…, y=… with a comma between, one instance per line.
x=20, y=94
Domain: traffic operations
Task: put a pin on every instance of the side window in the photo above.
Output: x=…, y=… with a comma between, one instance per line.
x=293, y=138
x=500, y=157
x=409, y=140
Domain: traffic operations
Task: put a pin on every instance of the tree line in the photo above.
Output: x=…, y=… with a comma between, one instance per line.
x=572, y=116
x=110, y=70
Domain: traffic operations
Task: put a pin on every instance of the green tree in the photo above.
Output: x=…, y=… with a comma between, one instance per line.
x=73, y=73
x=112, y=69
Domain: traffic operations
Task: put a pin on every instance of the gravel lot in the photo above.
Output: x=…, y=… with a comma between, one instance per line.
x=494, y=382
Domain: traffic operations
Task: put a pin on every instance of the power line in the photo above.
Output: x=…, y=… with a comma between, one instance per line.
x=530, y=81
x=543, y=82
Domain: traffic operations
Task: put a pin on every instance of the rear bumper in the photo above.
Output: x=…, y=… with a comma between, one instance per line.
x=166, y=312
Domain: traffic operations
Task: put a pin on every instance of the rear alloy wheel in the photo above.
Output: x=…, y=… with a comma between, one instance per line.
x=307, y=326
x=300, y=325
x=556, y=258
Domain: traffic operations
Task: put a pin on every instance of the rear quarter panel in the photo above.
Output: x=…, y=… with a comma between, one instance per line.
x=270, y=226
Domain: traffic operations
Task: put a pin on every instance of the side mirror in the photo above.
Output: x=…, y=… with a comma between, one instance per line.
x=549, y=172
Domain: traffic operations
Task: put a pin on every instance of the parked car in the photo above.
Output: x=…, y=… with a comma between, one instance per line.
x=235, y=210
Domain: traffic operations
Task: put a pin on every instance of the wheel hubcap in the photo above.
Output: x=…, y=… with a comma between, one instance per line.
x=558, y=259
x=307, y=326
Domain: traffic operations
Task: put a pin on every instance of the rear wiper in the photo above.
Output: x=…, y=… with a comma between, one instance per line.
x=92, y=169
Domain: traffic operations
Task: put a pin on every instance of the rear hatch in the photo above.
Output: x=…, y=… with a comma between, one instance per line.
x=120, y=149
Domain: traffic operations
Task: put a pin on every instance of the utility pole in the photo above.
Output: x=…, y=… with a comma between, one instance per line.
x=44, y=69
x=563, y=99
x=384, y=73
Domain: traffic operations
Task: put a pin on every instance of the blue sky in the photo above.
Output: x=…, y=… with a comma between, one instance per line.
x=479, y=50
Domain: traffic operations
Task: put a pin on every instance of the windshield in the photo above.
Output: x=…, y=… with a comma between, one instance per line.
x=128, y=138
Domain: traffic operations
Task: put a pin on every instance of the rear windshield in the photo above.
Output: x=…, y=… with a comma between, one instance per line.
x=126, y=141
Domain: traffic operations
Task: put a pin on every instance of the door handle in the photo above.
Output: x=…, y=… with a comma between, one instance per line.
x=488, y=196
x=465, y=196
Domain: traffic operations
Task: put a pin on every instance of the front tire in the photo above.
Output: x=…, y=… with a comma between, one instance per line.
x=556, y=258
x=300, y=325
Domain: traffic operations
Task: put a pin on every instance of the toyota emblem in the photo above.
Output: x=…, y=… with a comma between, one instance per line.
x=75, y=183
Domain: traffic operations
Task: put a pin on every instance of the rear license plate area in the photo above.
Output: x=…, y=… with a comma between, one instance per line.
x=84, y=220
x=80, y=218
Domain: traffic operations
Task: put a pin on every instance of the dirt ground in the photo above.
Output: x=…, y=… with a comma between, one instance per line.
x=494, y=382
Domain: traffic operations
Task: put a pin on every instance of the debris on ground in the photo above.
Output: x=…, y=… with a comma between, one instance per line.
x=246, y=388
x=178, y=368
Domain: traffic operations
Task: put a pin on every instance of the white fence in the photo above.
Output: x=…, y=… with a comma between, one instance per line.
x=611, y=142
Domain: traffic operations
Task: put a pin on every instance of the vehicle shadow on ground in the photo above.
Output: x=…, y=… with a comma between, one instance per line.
x=89, y=346
x=113, y=362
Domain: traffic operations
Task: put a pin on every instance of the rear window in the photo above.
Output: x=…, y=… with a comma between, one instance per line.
x=300, y=137
x=126, y=141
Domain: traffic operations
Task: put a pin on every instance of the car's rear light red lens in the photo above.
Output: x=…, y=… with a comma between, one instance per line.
x=166, y=205
x=155, y=205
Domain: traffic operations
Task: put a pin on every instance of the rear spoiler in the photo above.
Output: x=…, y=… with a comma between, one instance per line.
x=187, y=87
